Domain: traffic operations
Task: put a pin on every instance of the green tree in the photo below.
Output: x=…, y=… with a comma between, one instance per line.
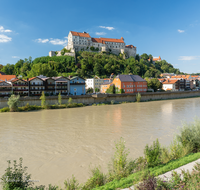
x=59, y=99
x=97, y=90
x=43, y=100
x=90, y=90
x=111, y=89
x=13, y=102
x=155, y=84
x=16, y=177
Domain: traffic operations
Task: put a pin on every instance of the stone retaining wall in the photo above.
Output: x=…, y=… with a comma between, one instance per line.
x=97, y=98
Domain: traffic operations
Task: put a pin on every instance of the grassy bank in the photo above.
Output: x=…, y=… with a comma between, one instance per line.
x=161, y=169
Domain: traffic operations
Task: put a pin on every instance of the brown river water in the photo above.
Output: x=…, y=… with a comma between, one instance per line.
x=55, y=144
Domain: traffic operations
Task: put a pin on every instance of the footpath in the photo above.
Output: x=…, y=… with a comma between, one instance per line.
x=168, y=175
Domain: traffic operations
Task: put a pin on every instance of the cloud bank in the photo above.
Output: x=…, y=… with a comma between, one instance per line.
x=4, y=38
x=181, y=31
x=52, y=41
x=100, y=33
x=107, y=27
x=188, y=58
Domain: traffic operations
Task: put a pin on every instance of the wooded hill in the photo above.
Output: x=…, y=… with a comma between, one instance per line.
x=88, y=64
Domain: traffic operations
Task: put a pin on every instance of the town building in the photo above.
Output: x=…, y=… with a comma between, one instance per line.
x=5, y=88
x=128, y=84
x=82, y=41
x=94, y=83
x=20, y=87
x=77, y=86
x=171, y=85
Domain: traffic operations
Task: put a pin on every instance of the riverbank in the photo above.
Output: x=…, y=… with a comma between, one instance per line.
x=77, y=99
x=103, y=98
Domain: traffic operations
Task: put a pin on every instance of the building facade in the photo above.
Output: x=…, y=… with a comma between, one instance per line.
x=78, y=41
x=77, y=86
x=94, y=83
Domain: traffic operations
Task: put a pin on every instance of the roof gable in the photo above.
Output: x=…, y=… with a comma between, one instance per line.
x=86, y=35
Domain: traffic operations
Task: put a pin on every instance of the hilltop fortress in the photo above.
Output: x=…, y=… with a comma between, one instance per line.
x=78, y=41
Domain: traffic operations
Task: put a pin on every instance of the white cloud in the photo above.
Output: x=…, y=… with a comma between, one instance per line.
x=39, y=40
x=53, y=41
x=188, y=58
x=3, y=30
x=181, y=31
x=107, y=27
x=58, y=42
x=4, y=38
x=15, y=57
x=100, y=33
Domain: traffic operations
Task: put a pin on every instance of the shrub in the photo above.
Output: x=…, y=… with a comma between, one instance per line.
x=6, y=109
x=70, y=101
x=138, y=97
x=16, y=176
x=190, y=135
x=13, y=102
x=112, y=102
x=43, y=100
x=174, y=151
x=118, y=167
x=153, y=153
x=97, y=179
x=59, y=99
x=149, y=182
x=71, y=184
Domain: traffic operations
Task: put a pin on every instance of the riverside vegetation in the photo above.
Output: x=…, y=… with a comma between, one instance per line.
x=124, y=172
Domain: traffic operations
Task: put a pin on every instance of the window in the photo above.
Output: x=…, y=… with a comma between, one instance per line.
x=74, y=89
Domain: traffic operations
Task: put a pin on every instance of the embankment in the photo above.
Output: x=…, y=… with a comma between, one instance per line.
x=98, y=98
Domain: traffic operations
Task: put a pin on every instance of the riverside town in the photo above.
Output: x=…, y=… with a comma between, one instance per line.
x=99, y=95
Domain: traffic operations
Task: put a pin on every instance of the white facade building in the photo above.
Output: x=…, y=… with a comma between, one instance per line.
x=94, y=83
x=78, y=41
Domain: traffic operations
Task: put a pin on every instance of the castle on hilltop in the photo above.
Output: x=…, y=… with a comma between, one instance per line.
x=78, y=41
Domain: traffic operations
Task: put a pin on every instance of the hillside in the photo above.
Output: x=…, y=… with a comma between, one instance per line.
x=88, y=64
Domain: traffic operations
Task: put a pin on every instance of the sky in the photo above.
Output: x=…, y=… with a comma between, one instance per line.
x=166, y=28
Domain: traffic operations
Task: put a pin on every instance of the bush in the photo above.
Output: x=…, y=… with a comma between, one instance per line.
x=72, y=184
x=174, y=151
x=6, y=109
x=119, y=164
x=97, y=179
x=112, y=102
x=43, y=100
x=59, y=99
x=149, y=182
x=70, y=101
x=190, y=135
x=153, y=154
x=16, y=176
x=138, y=97
x=13, y=102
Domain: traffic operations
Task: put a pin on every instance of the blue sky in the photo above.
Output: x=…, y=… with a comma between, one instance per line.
x=165, y=28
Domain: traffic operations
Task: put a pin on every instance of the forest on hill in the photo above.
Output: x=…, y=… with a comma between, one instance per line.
x=88, y=64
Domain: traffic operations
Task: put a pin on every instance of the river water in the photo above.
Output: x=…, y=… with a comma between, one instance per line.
x=55, y=144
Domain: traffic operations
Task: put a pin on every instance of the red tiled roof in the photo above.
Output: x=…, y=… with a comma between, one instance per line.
x=7, y=77
x=112, y=40
x=157, y=59
x=81, y=34
x=130, y=46
x=98, y=40
x=170, y=81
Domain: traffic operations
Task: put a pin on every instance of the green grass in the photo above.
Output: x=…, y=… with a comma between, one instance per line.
x=158, y=170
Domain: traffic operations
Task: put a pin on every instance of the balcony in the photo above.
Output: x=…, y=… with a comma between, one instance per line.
x=57, y=84
x=20, y=89
x=36, y=84
x=61, y=89
x=76, y=83
x=20, y=84
x=37, y=89
x=6, y=89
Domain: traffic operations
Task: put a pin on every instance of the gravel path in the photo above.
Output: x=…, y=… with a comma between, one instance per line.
x=188, y=167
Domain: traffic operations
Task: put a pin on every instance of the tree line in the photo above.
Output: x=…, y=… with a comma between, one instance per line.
x=89, y=64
